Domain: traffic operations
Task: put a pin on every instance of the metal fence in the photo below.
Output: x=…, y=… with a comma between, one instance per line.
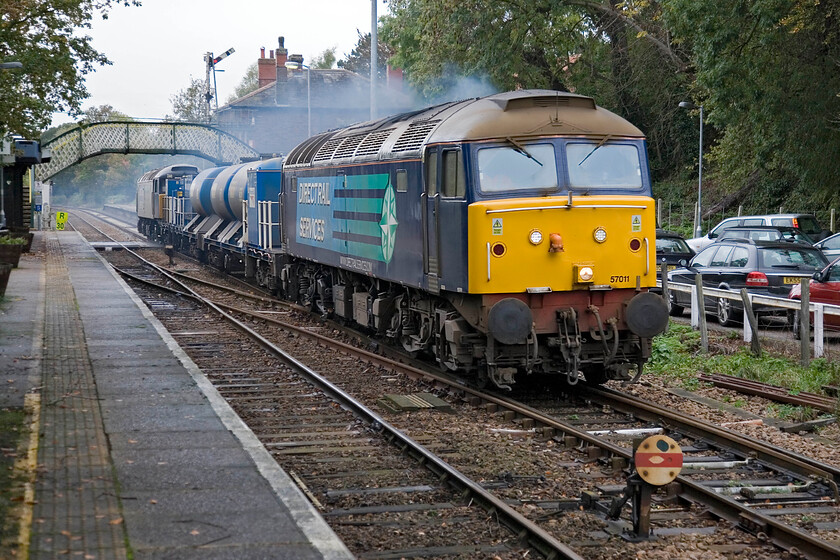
x=819, y=311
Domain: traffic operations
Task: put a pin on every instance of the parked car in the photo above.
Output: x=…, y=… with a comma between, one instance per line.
x=830, y=246
x=766, y=233
x=760, y=267
x=671, y=248
x=824, y=287
x=806, y=222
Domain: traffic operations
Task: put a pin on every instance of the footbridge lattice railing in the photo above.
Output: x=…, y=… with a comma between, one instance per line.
x=138, y=137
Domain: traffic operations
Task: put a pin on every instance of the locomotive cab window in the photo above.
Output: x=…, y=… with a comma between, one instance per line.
x=454, y=184
x=598, y=165
x=517, y=167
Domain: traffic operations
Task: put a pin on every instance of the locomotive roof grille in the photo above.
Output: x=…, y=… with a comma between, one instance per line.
x=414, y=136
x=325, y=153
x=373, y=142
x=348, y=147
x=305, y=151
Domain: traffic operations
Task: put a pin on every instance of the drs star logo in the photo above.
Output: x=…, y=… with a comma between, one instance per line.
x=388, y=223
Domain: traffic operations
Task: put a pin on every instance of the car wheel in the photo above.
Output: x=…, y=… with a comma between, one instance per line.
x=725, y=312
x=673, y=309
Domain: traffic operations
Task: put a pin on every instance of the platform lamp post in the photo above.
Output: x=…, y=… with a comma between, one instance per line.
x=292, y=65
x=4, y=66
x=690, y=106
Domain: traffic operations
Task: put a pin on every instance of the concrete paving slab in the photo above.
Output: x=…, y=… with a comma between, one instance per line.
x=185, y=439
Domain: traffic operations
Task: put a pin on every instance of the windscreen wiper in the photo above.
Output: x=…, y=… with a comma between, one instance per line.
x=601, y=143
x=521, y=149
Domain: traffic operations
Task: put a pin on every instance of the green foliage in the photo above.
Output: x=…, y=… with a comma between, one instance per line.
x=358, y=60
x=48, y=39
x=190, y=103
x=8, y=240
x=767, y=74
x=326, y=59
x=676, y=355
x=615, y=52
x=250, y=82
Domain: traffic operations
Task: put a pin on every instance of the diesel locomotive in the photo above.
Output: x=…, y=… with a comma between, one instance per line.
x=502, y=236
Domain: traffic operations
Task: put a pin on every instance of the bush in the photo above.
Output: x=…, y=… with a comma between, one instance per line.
x=8, y=240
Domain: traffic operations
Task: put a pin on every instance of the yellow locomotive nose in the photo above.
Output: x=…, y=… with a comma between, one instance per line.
x=603, y=242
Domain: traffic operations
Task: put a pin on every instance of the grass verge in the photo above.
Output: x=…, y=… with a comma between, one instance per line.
x=677, y=356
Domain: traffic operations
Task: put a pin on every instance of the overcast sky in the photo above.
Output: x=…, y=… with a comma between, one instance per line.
x=156, y=48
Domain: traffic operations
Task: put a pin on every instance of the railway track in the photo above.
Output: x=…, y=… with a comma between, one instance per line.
x=761, y=490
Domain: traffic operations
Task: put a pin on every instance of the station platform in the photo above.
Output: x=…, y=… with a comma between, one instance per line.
x=137, y=455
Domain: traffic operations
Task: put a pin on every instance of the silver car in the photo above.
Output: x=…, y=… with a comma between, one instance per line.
x=806, y=222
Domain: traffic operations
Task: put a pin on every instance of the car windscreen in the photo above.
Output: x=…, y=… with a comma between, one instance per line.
x=671, y=245
x=793, y=257
x=754, y=234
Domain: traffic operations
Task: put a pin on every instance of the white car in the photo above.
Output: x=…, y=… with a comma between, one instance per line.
x=830, y=246
x=806, y=222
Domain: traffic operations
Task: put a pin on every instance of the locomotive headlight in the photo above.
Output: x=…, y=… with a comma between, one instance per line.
x=600, y=235
x=584, y=274
x=535, y=237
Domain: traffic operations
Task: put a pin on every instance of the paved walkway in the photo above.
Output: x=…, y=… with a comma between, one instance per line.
x=138, y=455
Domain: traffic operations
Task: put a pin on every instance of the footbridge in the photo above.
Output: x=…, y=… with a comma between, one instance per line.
x=139, y=137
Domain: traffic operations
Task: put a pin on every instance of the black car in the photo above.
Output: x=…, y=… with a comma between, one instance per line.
x=766, y=233
x=671, y=248
x=762, y=268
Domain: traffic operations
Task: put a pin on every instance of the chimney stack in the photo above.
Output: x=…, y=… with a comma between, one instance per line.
x=281, y=52
x=265, y=69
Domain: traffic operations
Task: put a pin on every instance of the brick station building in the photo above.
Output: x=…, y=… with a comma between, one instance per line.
x=273, y=118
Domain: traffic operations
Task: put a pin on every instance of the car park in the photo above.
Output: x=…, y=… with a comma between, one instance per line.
x=824, y=287
x=766, y=233
x=806, y=222
x=830, y=246
x=762, y=268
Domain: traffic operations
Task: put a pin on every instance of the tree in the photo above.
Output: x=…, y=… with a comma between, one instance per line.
x=615, y=51
x=358, y=60
x=250, y=82
x=767, y=75
x=45, y=38
x=190, y=103
x=104, y=113
x=325, y=60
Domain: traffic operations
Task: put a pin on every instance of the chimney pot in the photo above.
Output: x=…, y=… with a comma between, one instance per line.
x=262, y=52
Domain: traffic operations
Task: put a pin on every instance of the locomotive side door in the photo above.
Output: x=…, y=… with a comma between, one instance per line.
x=444, y=219
x=430, y=208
